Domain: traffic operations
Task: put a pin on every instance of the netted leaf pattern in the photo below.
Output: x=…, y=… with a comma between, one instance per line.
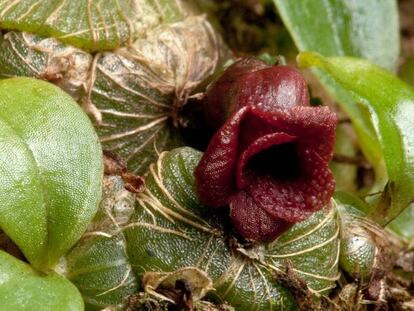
x=169, y=229
x=92, y=25
x=26, y=54
x=135, y=94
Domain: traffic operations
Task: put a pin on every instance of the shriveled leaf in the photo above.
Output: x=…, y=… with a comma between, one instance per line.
x=138, y=91
x=168, y=229
x=135, y=94
x=91, y=25
x=367, y=29
x=28, y=55
x=391, y=104
x=50, y=169
x=22, y=288
x=196, y=280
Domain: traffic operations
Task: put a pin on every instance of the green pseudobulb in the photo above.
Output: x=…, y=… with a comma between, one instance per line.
x=134, y=94
x=91, y=25
x=366, y=247
x=50, y=169
x=165, y=228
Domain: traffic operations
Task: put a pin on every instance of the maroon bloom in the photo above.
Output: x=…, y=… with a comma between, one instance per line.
x=269, y=160
x=251, y=81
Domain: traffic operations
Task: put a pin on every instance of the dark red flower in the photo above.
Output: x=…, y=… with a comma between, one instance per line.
x=251, y=81
x=269, y=161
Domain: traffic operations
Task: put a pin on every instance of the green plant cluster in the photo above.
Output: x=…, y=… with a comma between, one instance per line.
x=123, y=73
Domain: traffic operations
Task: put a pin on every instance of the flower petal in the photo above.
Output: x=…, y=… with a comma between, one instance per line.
x=252, y=222
x=314, y=127
x=218, y=101
x=250, y=81
x=270, y=158
x=275, y=87
x=250, y=131
x=215, y=172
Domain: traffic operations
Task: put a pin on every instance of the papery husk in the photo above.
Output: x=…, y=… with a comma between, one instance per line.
x=198, y=282
x=134, y=94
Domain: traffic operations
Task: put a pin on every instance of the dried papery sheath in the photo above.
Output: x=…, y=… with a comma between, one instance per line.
x=269, y=161
x=135, y=93
x=26, y=54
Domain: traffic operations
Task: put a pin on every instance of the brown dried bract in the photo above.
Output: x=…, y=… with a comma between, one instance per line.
x=115, y=165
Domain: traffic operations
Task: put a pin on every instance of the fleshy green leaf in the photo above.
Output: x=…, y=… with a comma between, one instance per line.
x=90, y=25
x=344, y=173
x=24, y=289
x=391, y=105
x=367, y=29
x=168, y=229
x=50, y=169
x=135, y=94
x=98, y=264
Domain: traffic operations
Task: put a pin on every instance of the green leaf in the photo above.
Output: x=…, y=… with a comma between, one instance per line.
x=391, y=105
x=98, y=265
x=90, y=25
x=345, y=174
x=50, y=169
x=24, y=289
x=403, y=225
x=406, y=71
x=351, y=200
x=360, y=118
x=167, y=229
x=133, y=95
x=367, y=29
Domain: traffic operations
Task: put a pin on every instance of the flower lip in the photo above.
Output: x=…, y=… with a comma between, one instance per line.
x=263, y=156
